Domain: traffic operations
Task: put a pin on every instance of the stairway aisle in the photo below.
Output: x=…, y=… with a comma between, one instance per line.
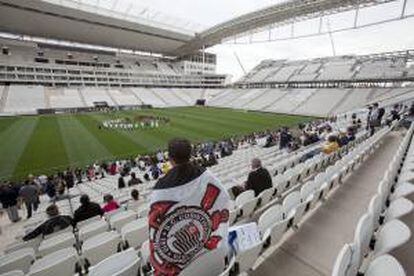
x=312, y=250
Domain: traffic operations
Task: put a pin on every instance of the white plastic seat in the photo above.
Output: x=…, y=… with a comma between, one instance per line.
x=233, y=215
x=61, y=262
x=55, y=243
x=17, y=260
x=385, y=265
x=248, y=207
x=266, y=196
x=211, y=263
x=135, y=233
x=125, y=263
x=270, y=217
x=343, y=261
x=392, y=235
x=290, y=203
x=276, y=231
x=92, y=229
x=246, y=259
x=403, y=190
x=363, y=236
x=13, y=273
x=101, y=246
x=399, y=208
x=244, y=197
x=118, y=220
x=87, y=221
x=33, y=243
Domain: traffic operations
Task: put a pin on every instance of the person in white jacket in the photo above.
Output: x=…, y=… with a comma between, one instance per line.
x=189, y=214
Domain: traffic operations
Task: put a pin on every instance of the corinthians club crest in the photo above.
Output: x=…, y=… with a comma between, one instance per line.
x=180, y=235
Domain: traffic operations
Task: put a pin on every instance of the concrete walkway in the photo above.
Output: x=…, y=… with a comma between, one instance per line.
x=313, y=249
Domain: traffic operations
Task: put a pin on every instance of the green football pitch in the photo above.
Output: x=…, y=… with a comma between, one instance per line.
x=45, y=144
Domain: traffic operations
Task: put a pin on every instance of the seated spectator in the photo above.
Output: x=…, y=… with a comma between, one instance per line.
x=134, y=203
x=87, y=209
x=110, y=204
x=331, y=145
x=55, y=223
x=259, y=178
x=134, y=180
x=188, y=207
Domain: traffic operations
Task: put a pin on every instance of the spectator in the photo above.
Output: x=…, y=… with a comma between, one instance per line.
x=134, y=203
x=121, y=181
x=55, y=222
x=259, y=178
x=8, y=198
x=134, y=180
x=191, y=208
x=285, y=138
x=331, y=145
x=50, y=188
x=110, y=204
x=30, y=195
x=87, y=209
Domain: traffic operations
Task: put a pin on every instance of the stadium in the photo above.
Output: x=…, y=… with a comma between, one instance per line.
x=276, y=138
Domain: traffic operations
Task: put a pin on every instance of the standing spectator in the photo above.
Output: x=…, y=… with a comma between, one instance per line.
x=110, y=204
x=30, y=195
x=55, y=222
x=50, y=188
x=284, y=138
x=8, y=199
x=188, y=216
x=121, y=181
x=259, y=178
x=87, y=209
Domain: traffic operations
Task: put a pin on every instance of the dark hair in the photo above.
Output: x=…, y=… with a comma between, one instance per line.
x=135, y=194
x=52, y=210
x=133, y=175
x=179, y=150
x=84, y=199
x=108, y=198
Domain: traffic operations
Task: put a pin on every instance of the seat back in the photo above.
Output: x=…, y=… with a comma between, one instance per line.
x=135, y=233
x=61, y=262
x=92, y=229
x=244, y=197
x=125, y=263
x=17, y=260
x=101, y=246
x=120, y=219
x=343, y=261
x=55, y=243
x=269, y=217
x=375, y=210
x=13, y=273
x=291, y=201
x=363, y=235
x=211, y=263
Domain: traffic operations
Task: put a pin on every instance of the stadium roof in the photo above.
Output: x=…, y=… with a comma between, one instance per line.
x=90, y=25
x=98, y=22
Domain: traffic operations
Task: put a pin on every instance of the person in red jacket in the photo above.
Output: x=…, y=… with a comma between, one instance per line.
x=110, y=204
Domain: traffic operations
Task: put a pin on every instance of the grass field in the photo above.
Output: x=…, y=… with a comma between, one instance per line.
x=44, y=144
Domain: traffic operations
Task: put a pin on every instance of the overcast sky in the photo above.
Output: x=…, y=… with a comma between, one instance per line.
x=393, y=36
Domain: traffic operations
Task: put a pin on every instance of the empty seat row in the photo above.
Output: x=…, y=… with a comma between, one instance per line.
x=379, y=230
